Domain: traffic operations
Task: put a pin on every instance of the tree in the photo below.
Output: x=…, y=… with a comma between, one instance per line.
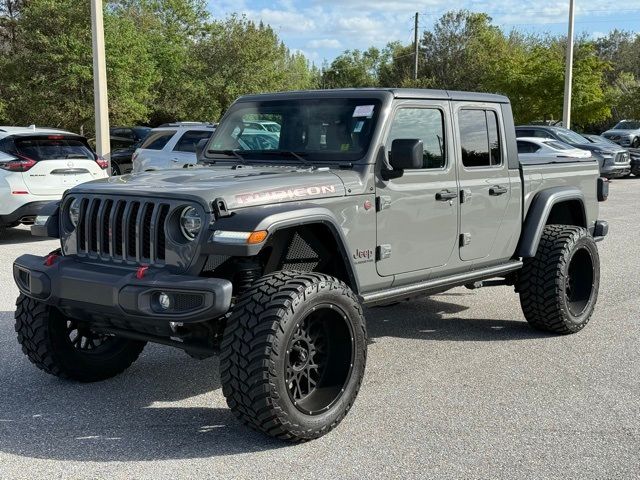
x=48, y=80
x=353, y=69
x=238, y=57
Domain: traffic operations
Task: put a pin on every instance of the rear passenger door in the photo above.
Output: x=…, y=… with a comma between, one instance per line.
x=485, y=189
x=185, y=149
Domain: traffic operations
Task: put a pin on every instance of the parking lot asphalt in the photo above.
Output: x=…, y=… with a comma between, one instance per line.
x=457, y=386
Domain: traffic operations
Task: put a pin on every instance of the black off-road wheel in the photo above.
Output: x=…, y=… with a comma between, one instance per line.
x=635, y=143
x=293, y=355
x=68, y=349
x=559, y=286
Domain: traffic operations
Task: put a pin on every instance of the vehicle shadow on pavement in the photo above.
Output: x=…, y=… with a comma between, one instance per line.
x=152, y=412
x=435, y=318
x=14, y=236
x=169, y=406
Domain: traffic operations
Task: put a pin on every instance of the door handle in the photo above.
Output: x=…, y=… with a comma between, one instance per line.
x=445, y=195
x=498, y=190
x=175, y=160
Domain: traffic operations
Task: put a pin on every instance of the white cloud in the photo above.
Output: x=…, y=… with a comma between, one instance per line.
x=325, y=43
x=324, y=27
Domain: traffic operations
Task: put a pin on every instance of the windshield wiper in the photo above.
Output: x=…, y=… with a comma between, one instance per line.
x=229, y=153
x=297, y=155
x=75, y=155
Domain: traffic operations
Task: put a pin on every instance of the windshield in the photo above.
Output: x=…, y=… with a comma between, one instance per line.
x=569, y=136
x=53, y=147
x=314, y=129
x=627, y=125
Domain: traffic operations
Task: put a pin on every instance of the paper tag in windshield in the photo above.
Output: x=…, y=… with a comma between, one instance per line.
x=363, y=111
x=358, y=126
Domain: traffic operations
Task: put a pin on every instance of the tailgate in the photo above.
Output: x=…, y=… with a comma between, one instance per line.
x=59, y=162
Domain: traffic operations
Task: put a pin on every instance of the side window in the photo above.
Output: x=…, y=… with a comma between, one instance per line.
x=494, y=138
x=426, y=124
x=157, y=140
x=479, y=138
x=524, y=133
x=189, y=141
x=541, y=133
x=527, y=147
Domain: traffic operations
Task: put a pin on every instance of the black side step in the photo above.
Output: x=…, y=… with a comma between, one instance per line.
x=438, y=284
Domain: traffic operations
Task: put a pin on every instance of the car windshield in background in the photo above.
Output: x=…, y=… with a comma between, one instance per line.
x=627, y=125
x=569, y=136
x=313, y=130
x=53, y=147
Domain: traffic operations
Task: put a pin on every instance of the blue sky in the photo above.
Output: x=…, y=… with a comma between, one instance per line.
x=323, y=29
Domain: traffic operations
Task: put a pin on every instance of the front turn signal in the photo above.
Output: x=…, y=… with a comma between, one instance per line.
x=257, y=237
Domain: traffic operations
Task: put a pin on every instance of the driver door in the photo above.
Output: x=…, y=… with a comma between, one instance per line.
x=417, y=221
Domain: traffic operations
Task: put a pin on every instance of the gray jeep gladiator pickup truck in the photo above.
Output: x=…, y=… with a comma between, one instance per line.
x=266, y=252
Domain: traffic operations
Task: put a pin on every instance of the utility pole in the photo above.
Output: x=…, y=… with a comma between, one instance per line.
x=100, y=99
x=568, y=74
x=415, y=45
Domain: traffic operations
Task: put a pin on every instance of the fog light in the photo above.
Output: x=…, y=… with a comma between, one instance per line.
x=164, y=301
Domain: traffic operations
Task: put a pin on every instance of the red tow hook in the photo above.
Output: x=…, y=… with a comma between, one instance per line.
x=51, y=259
x=141, y=272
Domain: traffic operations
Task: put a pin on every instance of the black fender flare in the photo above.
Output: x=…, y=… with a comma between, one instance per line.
x=538, y=214
x=278, y=217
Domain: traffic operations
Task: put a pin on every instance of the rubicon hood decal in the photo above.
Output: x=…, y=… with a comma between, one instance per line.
x=245, y=187
x=284, y=194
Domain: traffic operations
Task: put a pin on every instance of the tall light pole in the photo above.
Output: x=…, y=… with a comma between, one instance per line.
x=415, y=47
x=568, y=73
x=100, y=99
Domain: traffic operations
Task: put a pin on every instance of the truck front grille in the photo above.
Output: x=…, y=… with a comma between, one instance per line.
x=621, y=157
x=122, y=229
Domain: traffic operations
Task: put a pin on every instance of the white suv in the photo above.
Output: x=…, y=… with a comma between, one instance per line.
x=172, y=145
x=37, y=165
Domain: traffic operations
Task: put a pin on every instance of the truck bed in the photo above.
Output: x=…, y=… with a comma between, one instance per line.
x=582, y=173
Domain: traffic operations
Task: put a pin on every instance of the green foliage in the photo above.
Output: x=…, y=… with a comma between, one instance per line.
x=166, y=61
x=353, y=69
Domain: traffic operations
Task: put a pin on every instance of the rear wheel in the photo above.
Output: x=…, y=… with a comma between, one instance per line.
x=559, y=286
x=67, y=348
x=115, y=169
x=293, y=355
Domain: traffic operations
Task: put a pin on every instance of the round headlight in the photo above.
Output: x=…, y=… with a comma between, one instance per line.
x=190, y=223
x=74, y=212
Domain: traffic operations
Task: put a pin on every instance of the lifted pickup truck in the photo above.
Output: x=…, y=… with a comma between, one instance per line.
x=267, y=255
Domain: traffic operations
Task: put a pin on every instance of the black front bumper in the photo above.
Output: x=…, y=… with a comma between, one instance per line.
x=27, y=211
x=116, y=297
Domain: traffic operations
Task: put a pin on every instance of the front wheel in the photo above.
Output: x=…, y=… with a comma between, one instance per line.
x=636, y=143
x=559, y=286
x=67, y=348
x=293, y=355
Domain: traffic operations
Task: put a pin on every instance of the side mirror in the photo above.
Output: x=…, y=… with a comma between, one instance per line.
x=406, y=154
x=200, y=146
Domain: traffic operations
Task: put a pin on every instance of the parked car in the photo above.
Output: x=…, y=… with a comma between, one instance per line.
x=542, y=149
x=122, y=159
x=269, y=265
x=37, y=165
x=613, y=160
x=635, y=162
x=172, y=145
x=264, y=125
x=626, y=133
x=126, y=137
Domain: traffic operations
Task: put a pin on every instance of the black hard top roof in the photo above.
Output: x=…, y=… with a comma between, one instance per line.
x=409, y=93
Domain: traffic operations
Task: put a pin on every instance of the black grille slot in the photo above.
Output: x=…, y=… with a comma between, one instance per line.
x=123, y=230
x=187, y=301
x=81, y=227
x=117, y=228
x=146, y=230
x=131, y=229
x=162, y=239
x=92, y=225
x=106, y=227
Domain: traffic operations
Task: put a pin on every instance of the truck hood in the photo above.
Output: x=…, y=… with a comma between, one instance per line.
x=239, y=187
